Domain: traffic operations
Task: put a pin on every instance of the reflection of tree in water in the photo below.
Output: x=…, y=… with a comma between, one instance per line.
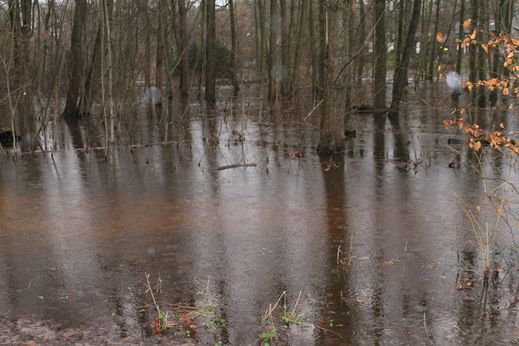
x=339, y=234
x=400, y=149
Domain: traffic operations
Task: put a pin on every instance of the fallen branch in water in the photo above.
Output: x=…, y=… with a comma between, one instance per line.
x=237, y=165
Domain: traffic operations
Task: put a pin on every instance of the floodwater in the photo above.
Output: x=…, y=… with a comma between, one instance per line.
x=372, y=248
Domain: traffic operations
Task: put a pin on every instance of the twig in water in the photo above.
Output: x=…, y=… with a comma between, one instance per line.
x=237, y=165
x=25, y=289
x=313, y=110
x=425, y=327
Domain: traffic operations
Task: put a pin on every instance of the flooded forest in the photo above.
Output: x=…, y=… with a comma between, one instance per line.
x=259, y=172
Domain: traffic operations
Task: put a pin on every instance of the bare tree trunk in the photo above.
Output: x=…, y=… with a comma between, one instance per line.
x=434, y=43
x=182, y=46
x=482, y=37
x=274, y=55
x=314, y=51
x=159, y=57
x=235, y=50
x=323, y=27
x=75, y=66
x=92, y=76
x=332, y=124
x=380, y=55
x=109, y=62
x=461, y=36
x=497, y=67
x=400, y=75
x=85, y=102
x=473, y=49
x=285, y=49
x=297, y=61
x=362, y=34
x=507, y=24
x=147, y=45
x=210, y=55
x=259, y=13
x=400, y=30
x=201, y=57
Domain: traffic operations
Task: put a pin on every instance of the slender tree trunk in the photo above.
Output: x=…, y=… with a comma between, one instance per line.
x=297, y=49
x=380, y=55
x=362, y=34
x=434, y=44
x=201, y=57
x=25, y=41
x=159, y=56
x=323, y=27
x=210, y=55
x=507, y=24
x=183, y=50
x=498, y=62
x=147, y=45
x=92, y=76
x=235, y=50
x=314, y=52
x=285, y=48
x=109, y=66
x=86, y=100
x=461, y=36
x=274, y=55
x=75, y=66
x=400, y=75
x=473, y=50
x=261, y=36
x=482, y=61
x=400, y=30
x=20, y=20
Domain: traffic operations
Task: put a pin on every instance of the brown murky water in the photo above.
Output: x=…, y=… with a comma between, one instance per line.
x=78, y=233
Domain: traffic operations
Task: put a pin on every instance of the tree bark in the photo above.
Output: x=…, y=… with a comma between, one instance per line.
x=434, y=44
x=400, y=75
x=380, y=55
x=75, y=66
x=461, y=36
x=297, y=50
x=482, y=61
x=473, y=50
x=182, y=47
x=314, y=52
x=210, y=55
x=285, y=39
x=235, y=50
x=497, y=66
x=362, y=34
x=332, y=123
x=274, y=60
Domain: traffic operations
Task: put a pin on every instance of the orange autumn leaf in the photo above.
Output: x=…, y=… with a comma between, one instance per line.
x=476, y=146
x=467, y=23
x=506, y=91
x=439, y=37
x=474, y=34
